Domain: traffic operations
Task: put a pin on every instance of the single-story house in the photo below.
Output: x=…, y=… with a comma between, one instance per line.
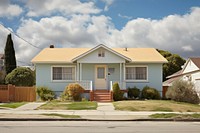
x=96, y=69
x=190, y=72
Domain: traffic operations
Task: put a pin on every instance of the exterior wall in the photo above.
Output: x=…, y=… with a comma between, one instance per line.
x=43, y=78
x=88, y=73
x=93, y=58
x=190, y=67
x=154, y=77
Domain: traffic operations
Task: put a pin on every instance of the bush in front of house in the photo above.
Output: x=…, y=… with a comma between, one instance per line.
x=73, y=91
x=117, y=94
x=183, y=91
x=133, y=92
x=45, y=93
x=150, y=93
x=21, y=76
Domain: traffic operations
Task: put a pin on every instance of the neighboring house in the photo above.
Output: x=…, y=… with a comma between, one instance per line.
x=189, y=72
x=96, y=69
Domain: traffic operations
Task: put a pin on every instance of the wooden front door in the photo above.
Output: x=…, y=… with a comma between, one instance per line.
x=100, y=77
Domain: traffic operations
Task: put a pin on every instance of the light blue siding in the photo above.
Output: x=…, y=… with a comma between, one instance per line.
x=154, y=78
x=43, y=76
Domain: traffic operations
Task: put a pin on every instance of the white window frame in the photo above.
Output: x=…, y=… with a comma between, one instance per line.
x=127, y=80
x=63, y=66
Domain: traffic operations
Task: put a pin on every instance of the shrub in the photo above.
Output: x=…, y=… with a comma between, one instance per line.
x=117, y=94
x=21, y=76
x=74, y=91
x=45, y=93
x=183, y=91
x=133, y=92
x=150, y=93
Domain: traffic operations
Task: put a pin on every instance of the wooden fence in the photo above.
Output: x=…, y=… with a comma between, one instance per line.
x=11, y=93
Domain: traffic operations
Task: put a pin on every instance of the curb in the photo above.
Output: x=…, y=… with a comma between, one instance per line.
x=65, y=119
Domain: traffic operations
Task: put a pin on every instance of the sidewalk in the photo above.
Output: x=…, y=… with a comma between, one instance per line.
x=30, y=106
x=105, y=111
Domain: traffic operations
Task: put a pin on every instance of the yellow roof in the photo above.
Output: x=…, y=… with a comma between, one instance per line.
x=142, y=54
x=66, y=55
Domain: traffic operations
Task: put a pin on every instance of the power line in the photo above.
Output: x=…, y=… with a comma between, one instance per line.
x=21, y=37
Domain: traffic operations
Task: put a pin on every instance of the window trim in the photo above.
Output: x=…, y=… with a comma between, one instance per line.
x=133, y=80
x=101, y=53
x=72, y=66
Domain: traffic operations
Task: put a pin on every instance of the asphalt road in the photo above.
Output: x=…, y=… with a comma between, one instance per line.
x=98, y=127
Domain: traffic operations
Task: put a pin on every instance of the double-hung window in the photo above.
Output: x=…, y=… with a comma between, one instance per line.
x=136, y=73
x=63, y=73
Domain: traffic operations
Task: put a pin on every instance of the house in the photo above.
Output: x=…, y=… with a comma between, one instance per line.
x=96, y=69
x=189, y=72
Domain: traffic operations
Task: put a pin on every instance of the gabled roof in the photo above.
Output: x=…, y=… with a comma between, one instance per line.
x=69, y=55
x=101, y=46
x=196, y=61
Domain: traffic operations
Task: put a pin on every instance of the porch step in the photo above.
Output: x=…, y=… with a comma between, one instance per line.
x=102, y=96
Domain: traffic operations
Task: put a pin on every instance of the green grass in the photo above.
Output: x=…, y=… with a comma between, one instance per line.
x=156, y=105
x=62, y=116
x=181, y=116
x=13, y=105
x=86, y=105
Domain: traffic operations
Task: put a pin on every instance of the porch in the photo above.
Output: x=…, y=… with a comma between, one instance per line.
x=101, y=95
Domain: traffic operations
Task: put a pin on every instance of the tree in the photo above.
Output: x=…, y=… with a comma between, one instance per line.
x=174, y=63
x=10, y=60
x=21, y=76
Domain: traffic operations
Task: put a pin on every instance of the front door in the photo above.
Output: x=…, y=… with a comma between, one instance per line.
x=100, y=77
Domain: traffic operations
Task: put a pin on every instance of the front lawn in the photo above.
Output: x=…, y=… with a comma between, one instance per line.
x=54, y=105
x=12, y=105
x=180, y=116
x=156, y=105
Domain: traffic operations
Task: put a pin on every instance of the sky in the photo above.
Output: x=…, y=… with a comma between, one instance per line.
x=172, y=25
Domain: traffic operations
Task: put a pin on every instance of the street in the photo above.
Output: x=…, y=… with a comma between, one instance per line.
x=97, y=127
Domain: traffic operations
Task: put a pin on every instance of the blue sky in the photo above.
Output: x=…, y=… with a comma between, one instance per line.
x=171, y=25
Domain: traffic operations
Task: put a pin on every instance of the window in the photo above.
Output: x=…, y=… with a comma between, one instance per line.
x=100, y=72
x=101, y=53
x=63, y=73
x=136, y=73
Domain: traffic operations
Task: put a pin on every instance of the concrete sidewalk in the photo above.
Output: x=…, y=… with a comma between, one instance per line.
x=30, y=106
x=105, y=111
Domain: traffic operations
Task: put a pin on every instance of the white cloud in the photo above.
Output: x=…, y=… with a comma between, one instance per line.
x=9, y=10
x=124, y=16
x=107, y=4
x=187, y=48
x=178, y=34
x=64, y=7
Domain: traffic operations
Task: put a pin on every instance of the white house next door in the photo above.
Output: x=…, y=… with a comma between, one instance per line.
x=100, y=77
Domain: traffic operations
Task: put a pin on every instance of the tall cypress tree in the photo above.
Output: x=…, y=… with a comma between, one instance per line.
x=10, y=60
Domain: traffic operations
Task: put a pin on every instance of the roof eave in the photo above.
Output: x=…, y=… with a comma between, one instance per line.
x=46, y=62
x=101, y=45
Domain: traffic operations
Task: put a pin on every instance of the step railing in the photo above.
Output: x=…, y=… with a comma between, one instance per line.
x=122, y=85
x=86, y=84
